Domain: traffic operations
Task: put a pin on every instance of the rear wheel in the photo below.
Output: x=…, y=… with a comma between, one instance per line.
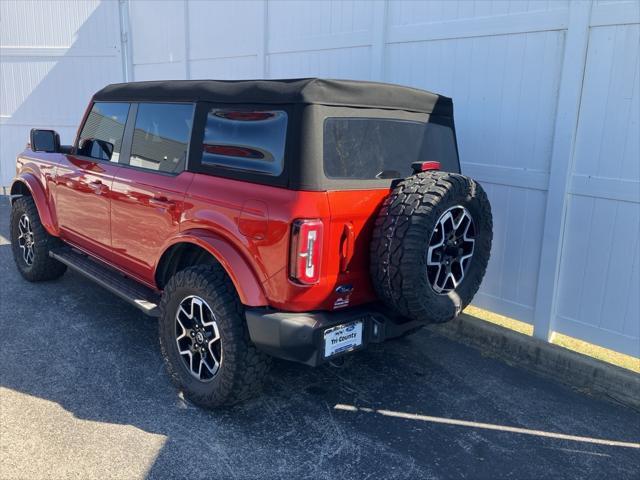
x=431, y=245
x=31, y=243
x=204, y=339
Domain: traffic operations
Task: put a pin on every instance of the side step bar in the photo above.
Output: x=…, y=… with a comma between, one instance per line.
x=126, y=288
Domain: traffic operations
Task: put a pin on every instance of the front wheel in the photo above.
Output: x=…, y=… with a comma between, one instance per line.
x=204, y=339
x=31, y=243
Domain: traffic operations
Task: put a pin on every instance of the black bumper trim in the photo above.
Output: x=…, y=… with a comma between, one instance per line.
x=299, y=336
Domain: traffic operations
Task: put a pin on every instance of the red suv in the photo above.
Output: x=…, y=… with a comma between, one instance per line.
x=300, y=219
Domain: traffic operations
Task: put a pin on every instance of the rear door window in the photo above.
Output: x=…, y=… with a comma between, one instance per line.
x=161, y=136
x=245, y=140
x=377, y=148
x=101, y=136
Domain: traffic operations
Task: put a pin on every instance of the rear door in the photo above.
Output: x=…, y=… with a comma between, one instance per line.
x=84, y=179
x=149, y=191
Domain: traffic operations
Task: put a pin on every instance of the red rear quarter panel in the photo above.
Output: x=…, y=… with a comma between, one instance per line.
x=256, y=221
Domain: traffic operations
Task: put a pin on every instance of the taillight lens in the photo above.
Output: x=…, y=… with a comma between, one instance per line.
x=425, y=166
x=306, y=251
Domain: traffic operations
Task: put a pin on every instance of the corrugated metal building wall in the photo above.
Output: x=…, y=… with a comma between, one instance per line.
x=546, y=97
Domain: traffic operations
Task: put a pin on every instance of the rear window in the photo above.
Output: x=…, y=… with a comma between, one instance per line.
x=245, y=140
x=377, y=148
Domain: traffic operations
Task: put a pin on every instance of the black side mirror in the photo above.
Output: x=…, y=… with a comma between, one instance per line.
x=95, y=148
x=44, y=140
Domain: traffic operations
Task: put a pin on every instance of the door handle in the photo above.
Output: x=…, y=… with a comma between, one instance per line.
x=346, y=246
x=97, y=186
x=161, y=202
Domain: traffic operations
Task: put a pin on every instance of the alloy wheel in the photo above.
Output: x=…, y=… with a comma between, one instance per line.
x=26, y=239
x=450, y=250
x=198, y=338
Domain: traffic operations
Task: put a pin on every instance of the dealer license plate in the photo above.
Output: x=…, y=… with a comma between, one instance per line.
x=342, y=338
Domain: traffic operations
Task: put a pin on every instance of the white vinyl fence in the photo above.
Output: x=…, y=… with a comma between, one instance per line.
x=545, y=93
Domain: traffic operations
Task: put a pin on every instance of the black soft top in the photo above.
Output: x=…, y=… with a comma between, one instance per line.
x=307, y=91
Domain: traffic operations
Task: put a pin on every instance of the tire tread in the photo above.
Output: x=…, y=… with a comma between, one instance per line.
x=243, y=366
x=397, y=251
x=44, y=267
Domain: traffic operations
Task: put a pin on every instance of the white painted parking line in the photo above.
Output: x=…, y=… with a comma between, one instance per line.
x=486, y=426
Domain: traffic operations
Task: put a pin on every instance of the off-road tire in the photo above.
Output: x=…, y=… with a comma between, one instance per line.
x=243, y=367
x=43, y=267
x=401, y=237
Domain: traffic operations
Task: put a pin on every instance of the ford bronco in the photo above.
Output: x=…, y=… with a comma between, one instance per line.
x=299, y=219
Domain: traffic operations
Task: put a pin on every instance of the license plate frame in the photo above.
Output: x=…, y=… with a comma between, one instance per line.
x=352, y=338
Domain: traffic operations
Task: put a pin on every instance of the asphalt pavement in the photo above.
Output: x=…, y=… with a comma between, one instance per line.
x=84, y=394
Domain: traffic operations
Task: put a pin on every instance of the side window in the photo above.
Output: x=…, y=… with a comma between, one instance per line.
x=101, y=135
x=161, y=136
x=245, y=140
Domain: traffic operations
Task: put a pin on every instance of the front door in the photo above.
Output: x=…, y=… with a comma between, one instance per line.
x=84, y=179
x=148, y=193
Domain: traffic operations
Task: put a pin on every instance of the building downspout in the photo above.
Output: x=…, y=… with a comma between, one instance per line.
x=125, y=41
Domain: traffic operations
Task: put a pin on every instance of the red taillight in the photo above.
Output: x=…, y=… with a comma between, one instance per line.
x=306, y=251
x=425, y=166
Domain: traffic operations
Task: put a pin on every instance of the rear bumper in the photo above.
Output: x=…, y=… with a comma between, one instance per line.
x=299, y=336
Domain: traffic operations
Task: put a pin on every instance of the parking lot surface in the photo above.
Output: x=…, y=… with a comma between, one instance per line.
x=84, y=394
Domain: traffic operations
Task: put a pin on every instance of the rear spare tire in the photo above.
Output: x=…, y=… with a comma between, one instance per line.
x=431, y=245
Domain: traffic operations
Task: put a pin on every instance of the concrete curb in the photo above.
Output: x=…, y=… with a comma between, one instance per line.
x=571, y=368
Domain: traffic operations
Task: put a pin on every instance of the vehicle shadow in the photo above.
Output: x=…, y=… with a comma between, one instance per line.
x=72, y=343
